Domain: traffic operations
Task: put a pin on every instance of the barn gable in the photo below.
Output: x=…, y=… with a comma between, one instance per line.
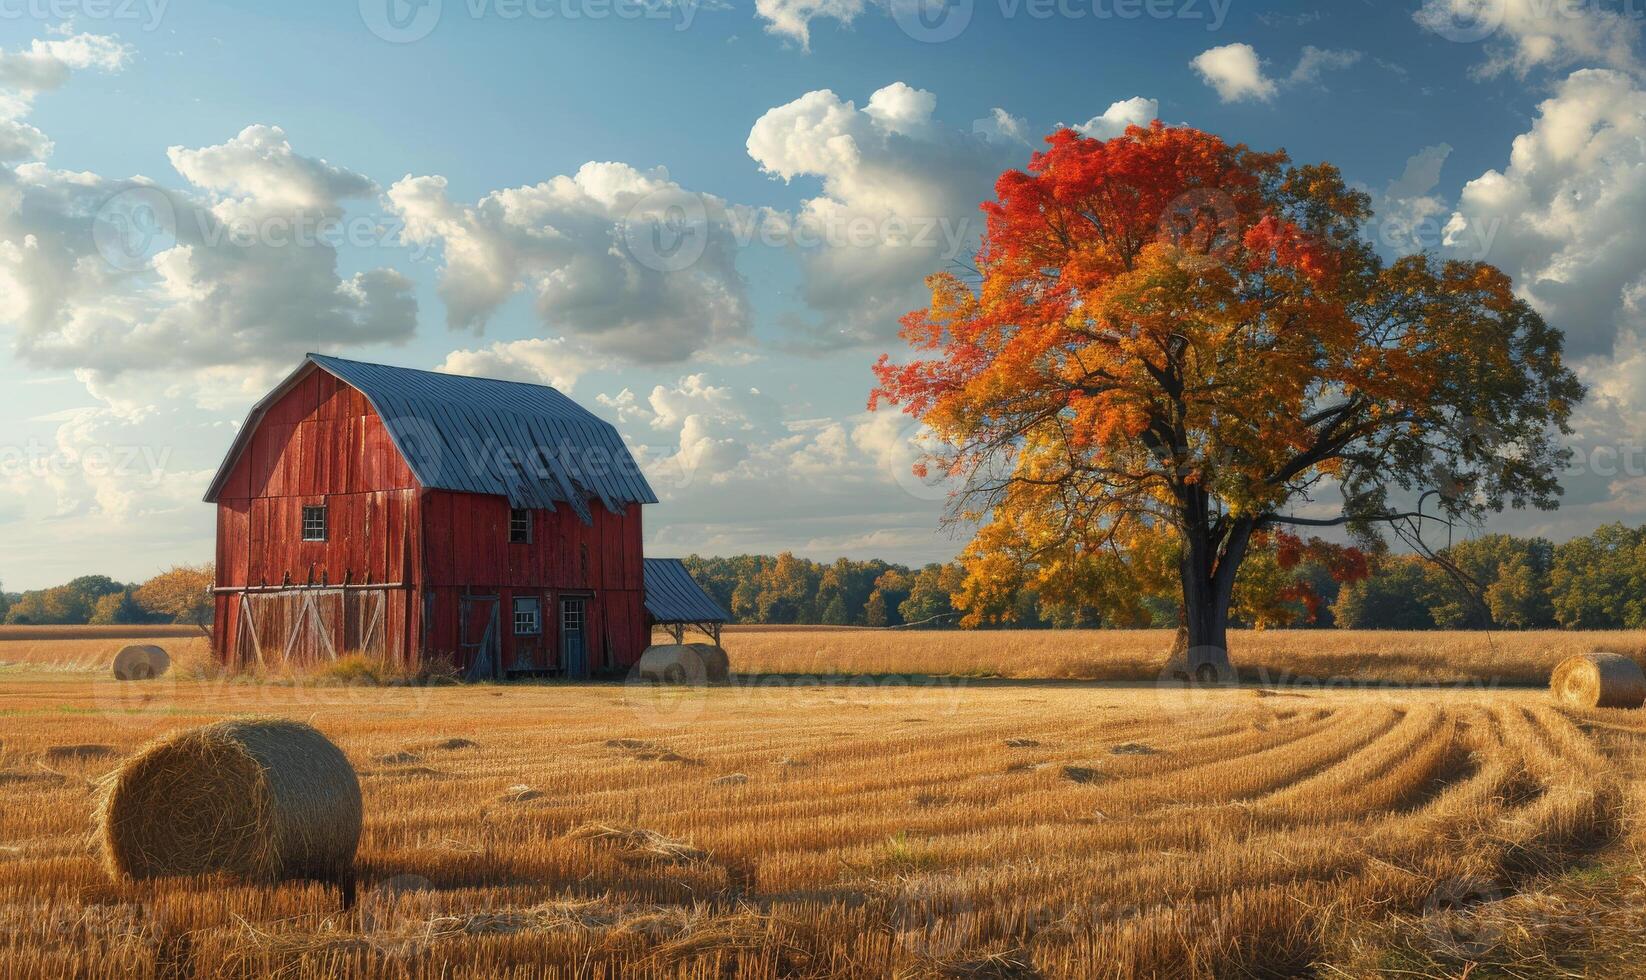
x=528, y=443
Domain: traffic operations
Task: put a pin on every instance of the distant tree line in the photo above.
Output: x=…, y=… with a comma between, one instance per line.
x=181, y=594
x=1494, y=581
x=785, y=589
x=1505, y=582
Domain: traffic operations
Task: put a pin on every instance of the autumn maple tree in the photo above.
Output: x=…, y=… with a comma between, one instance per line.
x=1171, y=344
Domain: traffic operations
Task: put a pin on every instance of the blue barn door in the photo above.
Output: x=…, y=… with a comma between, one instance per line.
x=574, y=651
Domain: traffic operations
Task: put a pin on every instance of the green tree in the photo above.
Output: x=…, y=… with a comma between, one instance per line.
x=1513, y=575
x=1597, y=580
x=788, y=590
x=68, y=604
x=1521, y=598
x=894, y=586
x=118, y=608
x=874, y=611
x=1397, y=596
x=834, y=614
x=929, y=594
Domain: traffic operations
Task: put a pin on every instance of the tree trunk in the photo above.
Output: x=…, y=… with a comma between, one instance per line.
x=1211, y=557
x=1205, y=639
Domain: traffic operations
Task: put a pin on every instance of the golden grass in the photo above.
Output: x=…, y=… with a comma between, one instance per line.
x=96, y=652
x=880, y=830
x=1267, y=657
x=128, y=632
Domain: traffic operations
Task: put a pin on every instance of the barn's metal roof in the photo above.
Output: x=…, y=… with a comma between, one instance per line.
x=527, y=442
x=673, y=596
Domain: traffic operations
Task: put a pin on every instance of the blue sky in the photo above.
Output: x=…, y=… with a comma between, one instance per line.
x=468, y=233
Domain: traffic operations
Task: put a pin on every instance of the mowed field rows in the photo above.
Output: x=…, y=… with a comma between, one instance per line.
x=957, y=829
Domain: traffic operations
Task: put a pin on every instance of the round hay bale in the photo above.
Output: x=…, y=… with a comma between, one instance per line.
x=261, y=799
x=1599, y=680
x=685, y=663
x=140, y=662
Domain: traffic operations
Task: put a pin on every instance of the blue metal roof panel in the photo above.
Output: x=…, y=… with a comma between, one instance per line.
x=501, y=437
x=529, y=443
x=673, y=596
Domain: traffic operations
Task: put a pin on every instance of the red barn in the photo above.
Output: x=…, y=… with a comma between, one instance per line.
x=413, y=516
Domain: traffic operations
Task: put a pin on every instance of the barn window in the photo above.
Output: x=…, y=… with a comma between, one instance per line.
x=520, y=526
x=314, y=523
x=527, y=622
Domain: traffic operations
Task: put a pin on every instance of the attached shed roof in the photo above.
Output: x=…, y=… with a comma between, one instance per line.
x=526, y=442
x=673, y=596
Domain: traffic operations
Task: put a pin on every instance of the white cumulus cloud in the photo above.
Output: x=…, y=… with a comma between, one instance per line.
x=1135, y=111
x=597, y=250
x=899, y=200
x=1520, y=35
x=1567, y=215
x=1236, y=72
x=114, y=276
x=792, y=19
x=551, y=361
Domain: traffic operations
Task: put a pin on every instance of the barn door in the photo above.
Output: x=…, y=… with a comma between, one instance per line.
x=364, y=630
x=478, y=638
x=574, y=651
x=291, y=628
x=315, y=627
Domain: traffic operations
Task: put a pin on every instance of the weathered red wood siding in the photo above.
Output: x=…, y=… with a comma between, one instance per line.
x=467, y=548
x=320, y=444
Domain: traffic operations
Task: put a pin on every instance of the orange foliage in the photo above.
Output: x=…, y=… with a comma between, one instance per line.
x=1174, y=335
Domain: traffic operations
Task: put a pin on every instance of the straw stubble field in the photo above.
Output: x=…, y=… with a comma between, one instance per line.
x=950, y=828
